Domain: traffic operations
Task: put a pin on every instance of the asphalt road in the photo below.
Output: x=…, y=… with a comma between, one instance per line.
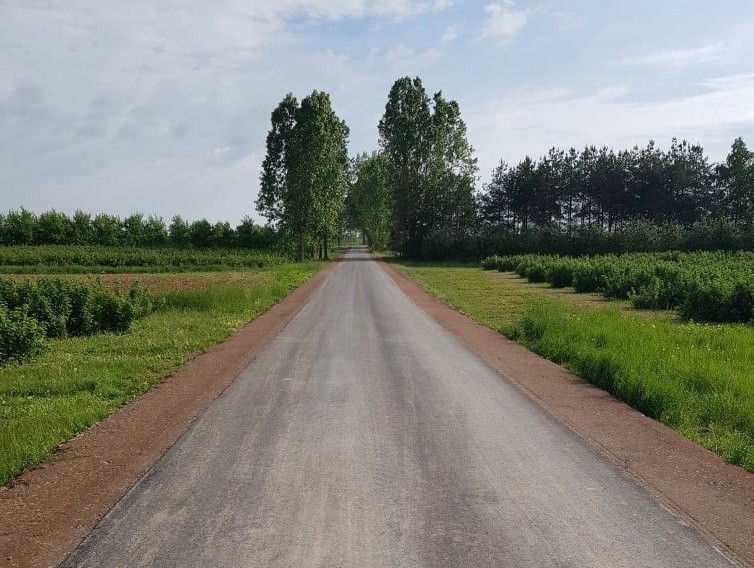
x=367, y=436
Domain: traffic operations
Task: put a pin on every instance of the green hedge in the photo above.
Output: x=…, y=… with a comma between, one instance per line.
x=55, y=308
x=702, y=286
x=129, y=257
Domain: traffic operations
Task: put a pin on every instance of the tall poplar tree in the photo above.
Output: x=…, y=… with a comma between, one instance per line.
x=432, y=167
x=305, y=172
x=404, y=137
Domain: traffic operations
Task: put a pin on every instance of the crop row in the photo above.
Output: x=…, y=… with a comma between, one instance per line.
x=31, y=312
x=701, y=286
x=121, y=257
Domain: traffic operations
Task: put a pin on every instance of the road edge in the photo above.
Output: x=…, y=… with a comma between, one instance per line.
x=701, y=489
x=47, y=511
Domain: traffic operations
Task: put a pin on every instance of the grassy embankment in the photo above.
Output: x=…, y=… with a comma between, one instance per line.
x=78, y=381
x=697, y=379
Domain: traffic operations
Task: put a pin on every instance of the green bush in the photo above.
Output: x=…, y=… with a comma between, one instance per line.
x=21, y=336
x=491, y=262
x=560, y=273
x=59, y=309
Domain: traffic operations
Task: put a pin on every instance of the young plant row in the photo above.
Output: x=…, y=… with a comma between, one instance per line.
x=122, y=257
x=701, y=286
x=32, y=312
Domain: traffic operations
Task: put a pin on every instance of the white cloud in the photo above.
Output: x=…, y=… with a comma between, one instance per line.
x=6, y=83
x=530, y=122
x=676, y=58
x=353, y=8
x=503, y=20
x=400, y=59
x=441, y=5
x=451, y=34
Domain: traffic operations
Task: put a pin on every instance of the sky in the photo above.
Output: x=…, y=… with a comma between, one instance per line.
x=162, y=107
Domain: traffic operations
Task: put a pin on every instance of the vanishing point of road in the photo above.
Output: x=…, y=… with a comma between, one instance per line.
x=366, y=435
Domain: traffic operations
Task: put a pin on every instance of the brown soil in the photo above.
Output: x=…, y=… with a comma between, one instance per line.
x=704, y=491
x=47, y=510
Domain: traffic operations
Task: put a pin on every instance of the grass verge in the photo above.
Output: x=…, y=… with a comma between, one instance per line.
x=78, y=381
x=697, y=379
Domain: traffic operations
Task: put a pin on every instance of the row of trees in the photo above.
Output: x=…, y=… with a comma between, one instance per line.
x=23, y=227
x=421, y=182
x=417, y=194
x=609, y=189
x=370, y=199
x=305, y=173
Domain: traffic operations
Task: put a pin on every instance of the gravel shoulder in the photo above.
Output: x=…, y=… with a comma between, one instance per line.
x=713, y=496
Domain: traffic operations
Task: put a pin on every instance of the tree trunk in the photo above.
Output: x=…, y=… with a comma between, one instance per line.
x=301, y=246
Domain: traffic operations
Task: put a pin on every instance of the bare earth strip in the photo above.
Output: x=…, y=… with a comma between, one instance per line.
x=46, y=512
x=715, y=497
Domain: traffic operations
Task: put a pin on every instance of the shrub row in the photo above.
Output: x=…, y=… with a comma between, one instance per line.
x=30, y=312
x=702, y=286
x=120, y=257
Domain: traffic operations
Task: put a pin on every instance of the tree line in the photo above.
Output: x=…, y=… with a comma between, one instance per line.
x=23, y=227
x=609, y=189
x=420, y=182
x=417, y=194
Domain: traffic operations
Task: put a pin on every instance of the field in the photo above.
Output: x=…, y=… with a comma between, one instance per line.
x=54, y=259
x=76, y=381
x=696, y=378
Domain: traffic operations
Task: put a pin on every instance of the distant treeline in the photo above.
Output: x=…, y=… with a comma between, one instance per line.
x=607, y=189
x=417, y=194
x=600, y=201
x=24, y=227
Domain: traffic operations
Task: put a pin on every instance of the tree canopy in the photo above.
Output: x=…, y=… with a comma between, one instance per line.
x=431, y=167
x=304, y=175
x=417, y=194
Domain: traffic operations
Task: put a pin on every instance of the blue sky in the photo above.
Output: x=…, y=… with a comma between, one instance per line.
x=163, y=107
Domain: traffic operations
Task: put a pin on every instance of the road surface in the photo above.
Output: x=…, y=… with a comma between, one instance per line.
x=367, y=436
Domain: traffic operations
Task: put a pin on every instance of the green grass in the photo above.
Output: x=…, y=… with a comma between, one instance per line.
x=81, y=380
x=697, y=379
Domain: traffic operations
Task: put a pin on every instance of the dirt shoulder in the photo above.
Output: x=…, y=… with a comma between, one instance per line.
x=704, y=491
x=47, y=510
